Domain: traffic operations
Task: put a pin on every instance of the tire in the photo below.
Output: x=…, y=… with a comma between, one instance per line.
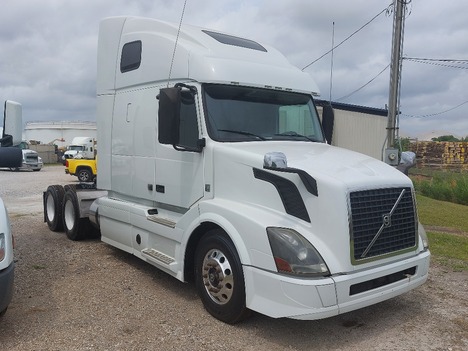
x=219, y=278
x=85, y=175
x=3, y=312
x=53, y=207
x=75, y=227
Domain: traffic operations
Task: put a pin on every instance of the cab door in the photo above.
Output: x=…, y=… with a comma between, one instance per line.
x=179, y=171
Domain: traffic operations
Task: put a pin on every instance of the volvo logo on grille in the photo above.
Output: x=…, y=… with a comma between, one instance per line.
x=387, y=220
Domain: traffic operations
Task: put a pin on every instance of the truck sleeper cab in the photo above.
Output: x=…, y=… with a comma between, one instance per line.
x=213, y=167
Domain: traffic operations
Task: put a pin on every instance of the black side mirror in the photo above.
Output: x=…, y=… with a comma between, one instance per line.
x=177, y=118
x=169, y=115
x=328, y=121
x=6, y=141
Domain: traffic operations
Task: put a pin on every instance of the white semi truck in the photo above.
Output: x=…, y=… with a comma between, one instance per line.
x=213, y=167
x=81, y=147
x=10, y=157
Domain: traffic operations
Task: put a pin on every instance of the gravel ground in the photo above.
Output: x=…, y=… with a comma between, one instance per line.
x=90, y=296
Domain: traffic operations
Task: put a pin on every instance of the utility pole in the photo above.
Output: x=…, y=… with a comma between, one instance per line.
x=391, y=152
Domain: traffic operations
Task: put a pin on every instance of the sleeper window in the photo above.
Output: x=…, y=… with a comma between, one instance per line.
x=131, y=56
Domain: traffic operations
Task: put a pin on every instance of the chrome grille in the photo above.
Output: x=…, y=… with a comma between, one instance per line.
x=383, y=221
x=31, y=159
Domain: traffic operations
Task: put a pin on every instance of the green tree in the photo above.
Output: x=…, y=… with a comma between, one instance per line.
x=445, y=138
x=404, y=144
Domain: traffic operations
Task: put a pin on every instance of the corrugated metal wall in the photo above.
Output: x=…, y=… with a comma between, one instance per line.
x=359, y=131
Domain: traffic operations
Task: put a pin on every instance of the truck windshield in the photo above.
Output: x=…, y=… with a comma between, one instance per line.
x=237, y=113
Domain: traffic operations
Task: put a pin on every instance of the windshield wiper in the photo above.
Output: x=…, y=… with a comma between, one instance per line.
x=296, y=135
x=242, y=132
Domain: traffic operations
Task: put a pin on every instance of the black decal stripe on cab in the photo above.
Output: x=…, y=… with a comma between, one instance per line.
x=288, y=192
x=309, y=182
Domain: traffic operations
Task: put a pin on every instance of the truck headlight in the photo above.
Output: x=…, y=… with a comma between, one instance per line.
x=423, y=235
x=295, y=255
x=2, y=246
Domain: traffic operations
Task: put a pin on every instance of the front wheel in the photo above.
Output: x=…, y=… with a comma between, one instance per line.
x=219, y=278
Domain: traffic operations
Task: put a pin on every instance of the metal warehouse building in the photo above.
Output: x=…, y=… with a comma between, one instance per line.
x=53, y=132
x=358, y=128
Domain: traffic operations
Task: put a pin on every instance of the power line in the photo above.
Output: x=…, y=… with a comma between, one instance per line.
x=438, y=62
x=363, y=86
x=349, y=37
x=433, y=59
x=436, y=114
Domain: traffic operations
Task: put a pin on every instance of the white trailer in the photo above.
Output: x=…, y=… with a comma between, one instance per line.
x=213, y=167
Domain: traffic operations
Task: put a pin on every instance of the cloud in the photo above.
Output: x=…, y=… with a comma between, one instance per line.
x=48, y=57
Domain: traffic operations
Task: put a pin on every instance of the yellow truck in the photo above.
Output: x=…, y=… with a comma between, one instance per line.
x=84, y=169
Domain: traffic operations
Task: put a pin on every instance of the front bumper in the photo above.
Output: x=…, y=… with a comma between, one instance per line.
x=31, y=166
x=6, y=286
x=280, y=296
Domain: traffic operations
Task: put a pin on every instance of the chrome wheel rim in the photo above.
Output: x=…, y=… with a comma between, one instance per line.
x=217, y=277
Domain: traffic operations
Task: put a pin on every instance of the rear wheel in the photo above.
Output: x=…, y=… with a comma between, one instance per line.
x=85, y=175
x=75, y=227
x=219, y=278
x=53, y=207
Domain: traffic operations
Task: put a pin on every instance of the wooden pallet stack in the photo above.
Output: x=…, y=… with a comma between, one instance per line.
x=441, y=155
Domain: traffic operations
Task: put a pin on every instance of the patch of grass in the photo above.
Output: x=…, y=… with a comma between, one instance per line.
x=449, y=250
x=443, y=214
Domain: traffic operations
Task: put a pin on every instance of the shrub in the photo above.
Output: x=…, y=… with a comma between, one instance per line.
x=461, y=191
x=444, y=186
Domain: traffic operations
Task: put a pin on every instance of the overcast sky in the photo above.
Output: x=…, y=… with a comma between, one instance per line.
x=48, y=51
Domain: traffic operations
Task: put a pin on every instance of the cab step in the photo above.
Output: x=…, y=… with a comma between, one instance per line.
x=157, y=256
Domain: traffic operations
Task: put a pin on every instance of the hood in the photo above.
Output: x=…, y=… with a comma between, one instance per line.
x=325, y=163
x=321, y=214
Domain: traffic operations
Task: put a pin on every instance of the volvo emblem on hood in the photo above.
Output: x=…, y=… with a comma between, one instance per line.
x=386, y=223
